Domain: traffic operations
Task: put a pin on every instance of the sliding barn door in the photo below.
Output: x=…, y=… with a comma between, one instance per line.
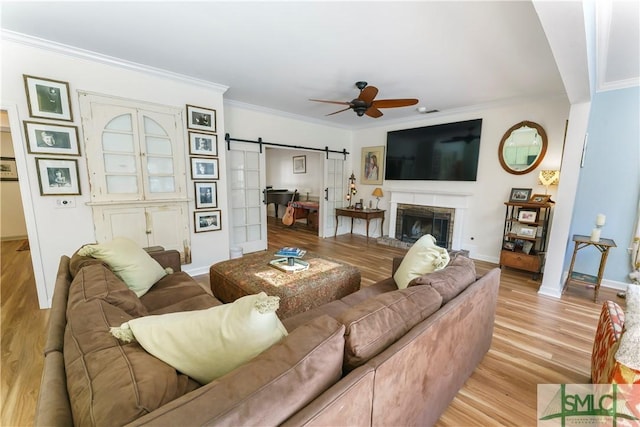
x=246, y=165
x=334, y=193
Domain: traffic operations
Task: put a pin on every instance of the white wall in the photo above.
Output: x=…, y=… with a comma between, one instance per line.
x=12, y=224
x=279, y=173
x=484, y=220
x=61, y=231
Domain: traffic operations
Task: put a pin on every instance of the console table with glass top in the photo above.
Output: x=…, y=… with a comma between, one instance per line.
x=581, y=242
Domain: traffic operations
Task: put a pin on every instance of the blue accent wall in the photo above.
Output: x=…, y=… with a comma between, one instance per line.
x=609, y=182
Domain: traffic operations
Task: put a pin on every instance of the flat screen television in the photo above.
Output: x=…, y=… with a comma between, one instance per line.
x=445, y=152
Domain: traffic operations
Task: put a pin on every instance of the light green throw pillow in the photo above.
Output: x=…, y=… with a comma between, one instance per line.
x=207, y=344
x=422, y=258
x=128, y=261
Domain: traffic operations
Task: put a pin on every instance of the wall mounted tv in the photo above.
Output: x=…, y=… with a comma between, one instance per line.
x=446, y=152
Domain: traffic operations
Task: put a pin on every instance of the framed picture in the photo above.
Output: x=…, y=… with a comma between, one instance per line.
x=299, y=164
x=207, y=221
x=203, y=144
x=527, y=216
x=48, y=99
x=527, y=231
x=372, y=165
x=204, y=168
x=8, y=169
x=46, y=138
x=520, y=194
x=206, y=195
x=200, y=118
x=540, y=198
x=527, y=246
x=58, y=177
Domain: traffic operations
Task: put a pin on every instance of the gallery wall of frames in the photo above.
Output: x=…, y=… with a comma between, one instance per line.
x=203, y=151
x=54, y=141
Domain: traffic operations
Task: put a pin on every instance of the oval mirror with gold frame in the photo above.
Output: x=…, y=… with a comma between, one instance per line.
x=522, y=148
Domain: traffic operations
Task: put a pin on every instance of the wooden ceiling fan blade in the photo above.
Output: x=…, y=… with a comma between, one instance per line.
x=373, y=112
x=393, y=103
x=331, y=102
x=368, y=93
x=339, y=111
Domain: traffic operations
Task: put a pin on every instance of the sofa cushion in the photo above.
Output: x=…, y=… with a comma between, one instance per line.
x=98, y=282
x=270, y=388
x=206, y=344
x=376, y=323
x=110, y=383
x=450, y=281
x=128, y=261
x=423, y=257
x=177, y=292
x=78, y=261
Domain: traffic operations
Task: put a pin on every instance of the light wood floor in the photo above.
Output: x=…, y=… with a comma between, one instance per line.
x=537, y=339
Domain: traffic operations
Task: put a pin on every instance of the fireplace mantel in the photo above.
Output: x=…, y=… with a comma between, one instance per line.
x=457, y=201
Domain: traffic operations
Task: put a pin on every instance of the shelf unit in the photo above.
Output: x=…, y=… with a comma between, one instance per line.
x=524, y=239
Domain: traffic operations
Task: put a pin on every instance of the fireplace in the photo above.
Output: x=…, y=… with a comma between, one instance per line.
x=414, y=221
x=439, y=213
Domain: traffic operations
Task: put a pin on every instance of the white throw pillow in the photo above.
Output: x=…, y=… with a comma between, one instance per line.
x=628, y=352
x=422, y=258
x=128, y=261
x=207, y=344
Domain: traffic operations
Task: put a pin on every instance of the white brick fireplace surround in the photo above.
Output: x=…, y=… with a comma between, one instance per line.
x=456, y=201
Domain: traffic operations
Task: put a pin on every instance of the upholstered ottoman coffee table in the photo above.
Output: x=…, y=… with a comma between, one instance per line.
x=325, y=280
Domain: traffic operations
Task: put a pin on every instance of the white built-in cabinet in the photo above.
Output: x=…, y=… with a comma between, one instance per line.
x=135, y=159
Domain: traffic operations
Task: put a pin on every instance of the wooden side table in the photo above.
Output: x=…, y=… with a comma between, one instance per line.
x=367, y=214
x=603, y=245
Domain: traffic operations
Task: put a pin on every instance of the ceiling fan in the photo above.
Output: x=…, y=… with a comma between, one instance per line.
x=365, y=104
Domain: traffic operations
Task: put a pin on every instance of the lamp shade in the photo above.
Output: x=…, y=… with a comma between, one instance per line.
x=377, y=192
x=549, y=177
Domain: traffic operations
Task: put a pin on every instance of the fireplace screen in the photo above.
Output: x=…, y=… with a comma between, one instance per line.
x=416, y=221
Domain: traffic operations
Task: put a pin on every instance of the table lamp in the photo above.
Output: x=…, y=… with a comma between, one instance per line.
x=549, y=177
x=377, y=193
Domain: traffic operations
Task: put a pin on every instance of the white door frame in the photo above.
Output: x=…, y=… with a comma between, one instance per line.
x=19, y=147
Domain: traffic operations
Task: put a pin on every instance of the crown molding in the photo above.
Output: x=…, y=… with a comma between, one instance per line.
x=261, y=109
x=72, y=51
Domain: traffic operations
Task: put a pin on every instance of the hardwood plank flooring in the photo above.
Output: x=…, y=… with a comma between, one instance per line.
x=537, y=339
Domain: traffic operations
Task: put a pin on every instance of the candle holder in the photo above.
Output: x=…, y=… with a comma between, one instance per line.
x=352, y=189
x=595, y=233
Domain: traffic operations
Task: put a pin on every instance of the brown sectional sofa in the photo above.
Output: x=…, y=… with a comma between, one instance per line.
x=379, y=356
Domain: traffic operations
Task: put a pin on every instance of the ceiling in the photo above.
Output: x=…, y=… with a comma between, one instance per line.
x=277, y=55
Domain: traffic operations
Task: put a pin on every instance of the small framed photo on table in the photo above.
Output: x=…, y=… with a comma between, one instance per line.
x=199, y=118
x=540, y=198
x=527, y=232
x=58, y=177
x=520, y=195
x=48, y=99
x=527, y=216
x=207, y=221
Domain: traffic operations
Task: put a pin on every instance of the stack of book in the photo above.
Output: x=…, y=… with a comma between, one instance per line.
x=291, y=252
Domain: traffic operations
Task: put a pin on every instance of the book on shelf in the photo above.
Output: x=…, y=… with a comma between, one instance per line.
x=290, y=251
